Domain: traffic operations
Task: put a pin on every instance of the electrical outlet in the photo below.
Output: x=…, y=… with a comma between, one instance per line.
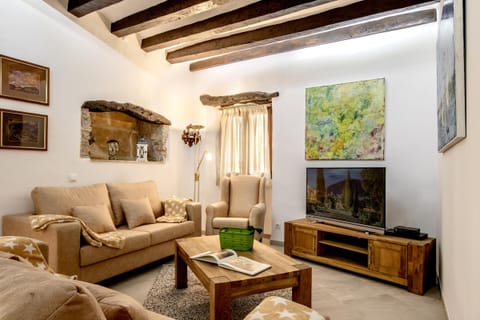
x=277, y=226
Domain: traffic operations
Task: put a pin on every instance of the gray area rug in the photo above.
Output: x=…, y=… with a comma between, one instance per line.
x=193, y=303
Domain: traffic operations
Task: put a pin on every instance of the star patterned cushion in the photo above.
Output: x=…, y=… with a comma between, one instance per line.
x=273, y=308
x=25, y=248
x=174, y=210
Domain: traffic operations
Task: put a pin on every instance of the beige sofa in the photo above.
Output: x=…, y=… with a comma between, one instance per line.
x=69, y=254
x=27, y=292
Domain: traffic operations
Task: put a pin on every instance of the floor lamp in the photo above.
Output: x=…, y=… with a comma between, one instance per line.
x=191, y=136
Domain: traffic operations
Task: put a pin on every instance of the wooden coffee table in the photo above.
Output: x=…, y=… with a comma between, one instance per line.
x=224, y=285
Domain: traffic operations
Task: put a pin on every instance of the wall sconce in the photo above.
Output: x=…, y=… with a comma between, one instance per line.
x=191, y=134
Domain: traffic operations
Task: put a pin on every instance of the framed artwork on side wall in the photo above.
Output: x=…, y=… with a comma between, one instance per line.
x=21, y=80
x=22, y=130
x=450, y=76
x=345, y=121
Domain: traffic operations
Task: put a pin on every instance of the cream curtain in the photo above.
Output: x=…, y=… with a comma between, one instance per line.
x=244, y=141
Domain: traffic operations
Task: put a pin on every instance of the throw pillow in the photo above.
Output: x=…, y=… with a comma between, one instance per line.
x=26, y=250
x=175, y=210
x=137, y=212
x=96, y=217
x=133, y=190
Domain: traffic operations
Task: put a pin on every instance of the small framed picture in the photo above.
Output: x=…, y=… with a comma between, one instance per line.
x=21, y=80
x=22, y=130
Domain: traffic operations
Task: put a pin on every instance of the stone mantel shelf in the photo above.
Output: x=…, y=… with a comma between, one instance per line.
x=128, y=108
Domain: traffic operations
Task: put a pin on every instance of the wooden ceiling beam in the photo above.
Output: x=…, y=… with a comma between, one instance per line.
x=79, y=8
x=161, y=13
x=345, y=33
x=284, y=31
x=243, y=17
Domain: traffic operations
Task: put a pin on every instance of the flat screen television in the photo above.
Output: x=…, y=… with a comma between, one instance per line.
x=347, y=196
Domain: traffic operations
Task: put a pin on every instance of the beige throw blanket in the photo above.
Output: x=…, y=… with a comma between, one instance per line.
x=113, y=239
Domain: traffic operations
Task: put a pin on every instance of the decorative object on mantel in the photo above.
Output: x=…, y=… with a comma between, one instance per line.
x=22, y=130
x=450, y=76
x=191, y=135
x=111, y=130
x=254, y=97
x=22, y=80
x=142, y=150
x=345, y=121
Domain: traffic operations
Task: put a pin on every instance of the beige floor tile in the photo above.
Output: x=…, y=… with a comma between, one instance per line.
x=336, y=293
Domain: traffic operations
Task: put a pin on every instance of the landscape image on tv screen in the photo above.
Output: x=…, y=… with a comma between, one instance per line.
x=353, y=195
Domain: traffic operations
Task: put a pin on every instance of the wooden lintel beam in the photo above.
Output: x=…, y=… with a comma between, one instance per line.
x=167, y=11
x=256, y=97
x=348, y=32
x=242, y=17
x=287, y=30
x=80, y=8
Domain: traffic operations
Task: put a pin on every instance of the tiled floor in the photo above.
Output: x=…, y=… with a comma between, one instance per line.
x=338, y=294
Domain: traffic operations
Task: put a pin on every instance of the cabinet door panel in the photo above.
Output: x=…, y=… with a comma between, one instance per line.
x=388, y=258
x=305, y=240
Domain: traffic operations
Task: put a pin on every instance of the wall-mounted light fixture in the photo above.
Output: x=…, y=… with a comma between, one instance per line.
x=191, y=135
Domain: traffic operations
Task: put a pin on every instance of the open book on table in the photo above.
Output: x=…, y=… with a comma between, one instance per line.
x=229, y=259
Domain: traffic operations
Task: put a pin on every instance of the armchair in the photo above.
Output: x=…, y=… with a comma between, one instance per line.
x=242, y=204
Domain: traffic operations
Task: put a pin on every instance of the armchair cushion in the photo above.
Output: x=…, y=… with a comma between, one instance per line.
x=221, y=222
x=133, y=190
x=97, y=218
x=244, y=191
x=137, y=212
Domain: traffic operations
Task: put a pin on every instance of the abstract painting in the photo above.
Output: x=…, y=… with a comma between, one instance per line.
x=450, y=76
x=345, y=121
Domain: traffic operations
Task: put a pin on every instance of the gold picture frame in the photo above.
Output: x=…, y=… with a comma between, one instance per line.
x=23, y=130
x=25, y=81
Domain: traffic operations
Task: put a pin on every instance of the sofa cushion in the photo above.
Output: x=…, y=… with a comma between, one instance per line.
x=162, y=232
x=29, y=293
x=134, y=240
x=97, y=217
x=116, y=305
x=137, y=212
x=133, y=190
x=61, y=200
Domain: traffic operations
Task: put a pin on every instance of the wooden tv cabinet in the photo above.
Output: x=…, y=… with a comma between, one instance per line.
x=407, y=262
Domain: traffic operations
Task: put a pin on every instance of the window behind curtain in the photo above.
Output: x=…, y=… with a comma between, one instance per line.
x=245, y=140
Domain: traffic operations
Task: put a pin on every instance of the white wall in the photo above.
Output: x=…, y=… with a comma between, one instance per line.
x=460, y=174
x=84, y=68
x=406, y=59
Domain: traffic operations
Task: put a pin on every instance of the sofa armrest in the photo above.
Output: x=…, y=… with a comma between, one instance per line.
x=63, y=240
x=213, y=210
x=194, y=213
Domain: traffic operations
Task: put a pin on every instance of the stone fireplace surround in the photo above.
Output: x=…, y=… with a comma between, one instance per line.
x=111, y=130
